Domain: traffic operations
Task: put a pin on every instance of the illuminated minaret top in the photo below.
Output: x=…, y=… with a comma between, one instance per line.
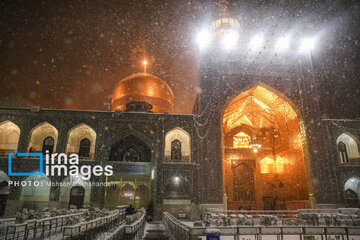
x=223, y=8
x=224, y=22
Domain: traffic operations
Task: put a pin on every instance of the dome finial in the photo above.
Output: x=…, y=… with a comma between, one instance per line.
x=145, y=62
x=223, y=8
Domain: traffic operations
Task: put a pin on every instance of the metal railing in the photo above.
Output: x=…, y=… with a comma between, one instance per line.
x=135, y=231
x=256, y=213
x=56, y=226
x=175, y=227
x=181, y=231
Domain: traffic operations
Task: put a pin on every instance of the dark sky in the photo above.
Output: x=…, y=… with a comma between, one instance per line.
x=71, y=54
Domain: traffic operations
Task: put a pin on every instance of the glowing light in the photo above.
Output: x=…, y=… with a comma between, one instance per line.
x=255, y=145
x=176, y=179
x=145, y=62
x=267, y=165
x=307, y=44
x=256, y=42
x=127, y=194
x=241, y=140
x=203, y=39
x=261, y=104
x=152, y=174
x=282, y=43
x=230, y=39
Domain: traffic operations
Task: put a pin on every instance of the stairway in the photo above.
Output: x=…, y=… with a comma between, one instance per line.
x=156, y=230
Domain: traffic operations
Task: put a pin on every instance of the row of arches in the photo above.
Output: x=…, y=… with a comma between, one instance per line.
x=81, y=139
x=43, y=138
x=73, y=190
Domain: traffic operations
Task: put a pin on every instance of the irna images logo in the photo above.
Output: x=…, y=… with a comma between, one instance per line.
x=58, y=165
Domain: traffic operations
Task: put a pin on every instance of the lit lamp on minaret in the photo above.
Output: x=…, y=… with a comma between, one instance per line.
x=145, y=62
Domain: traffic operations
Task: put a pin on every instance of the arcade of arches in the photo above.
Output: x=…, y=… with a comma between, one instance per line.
x=263, y=163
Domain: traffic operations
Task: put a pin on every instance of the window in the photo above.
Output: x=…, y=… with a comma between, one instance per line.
x=347, y=146
x=81, y=140
x=130, y=149
x=9, y=136
x=84, y=149
x=177, y=146
x=43, y=137
x=342, y=153
x=351, y=198
x=48, y=145
x=131, y=155
x=176, y=150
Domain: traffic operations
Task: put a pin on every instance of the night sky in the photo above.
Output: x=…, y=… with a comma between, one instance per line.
x=70, y=54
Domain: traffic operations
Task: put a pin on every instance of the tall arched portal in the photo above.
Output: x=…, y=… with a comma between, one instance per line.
x=264, y=146
x=132, y=158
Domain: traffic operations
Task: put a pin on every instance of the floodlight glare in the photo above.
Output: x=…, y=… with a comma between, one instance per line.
x=256, y=42
x=230, y=39
x=203, y=39
x=282, y=43
x=307, y=44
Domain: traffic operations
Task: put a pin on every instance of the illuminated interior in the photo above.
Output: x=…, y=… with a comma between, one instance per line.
x=76, y=135
x=262, y=137
x=9, y=137
x=38, y=135
x=184, y=138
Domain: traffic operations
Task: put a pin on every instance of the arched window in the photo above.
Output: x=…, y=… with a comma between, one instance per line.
x=48, y=145
x=351, y=198
x=130, y=149
x=9, y=137
x=352, y=192
x=43, y=137
x=177, y=145
x=348, y=149
x=131, y=155
x=84, y=148
x=176, y=150
x=81, y=140
x=342, y=153
x=77, y=196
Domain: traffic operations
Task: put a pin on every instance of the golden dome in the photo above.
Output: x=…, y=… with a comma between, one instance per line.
x=143, y=87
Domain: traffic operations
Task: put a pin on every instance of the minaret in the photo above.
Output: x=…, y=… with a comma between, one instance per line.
x=223, y=8
x=224, y=22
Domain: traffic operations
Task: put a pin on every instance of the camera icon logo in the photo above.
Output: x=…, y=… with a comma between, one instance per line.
x=16, y=154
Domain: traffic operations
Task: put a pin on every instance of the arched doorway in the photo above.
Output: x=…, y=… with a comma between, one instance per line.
x=128, y=195
x=77, y=196
x=352, y=192
x=74, y=190
x=84, y=148
x=48, y=145
x=261, y=129
x=142, y=197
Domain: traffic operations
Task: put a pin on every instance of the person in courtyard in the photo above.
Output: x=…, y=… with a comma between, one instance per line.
x=130, y=210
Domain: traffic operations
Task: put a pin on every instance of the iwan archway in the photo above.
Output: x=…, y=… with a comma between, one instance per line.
x=265, y=158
